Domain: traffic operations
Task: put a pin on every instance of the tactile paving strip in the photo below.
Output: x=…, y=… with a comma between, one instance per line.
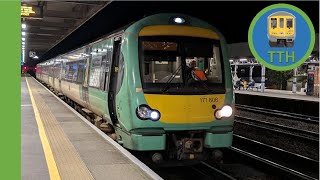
x=68, y=161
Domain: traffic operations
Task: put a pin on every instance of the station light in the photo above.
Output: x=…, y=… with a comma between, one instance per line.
x=23, y=25
x=36, y=57
x=23, y=43
x=23, y=39
x=23, y=33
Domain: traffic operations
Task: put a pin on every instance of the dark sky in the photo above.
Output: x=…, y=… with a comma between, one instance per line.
x=232, y=18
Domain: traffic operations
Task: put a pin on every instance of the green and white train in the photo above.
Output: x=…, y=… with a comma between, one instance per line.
x=135, y=84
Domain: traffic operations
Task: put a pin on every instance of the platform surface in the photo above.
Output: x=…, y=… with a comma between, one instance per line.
x=56, y=143
x=279, y=94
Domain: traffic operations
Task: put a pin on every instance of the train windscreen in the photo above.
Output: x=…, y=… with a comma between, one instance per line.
x=184, y=65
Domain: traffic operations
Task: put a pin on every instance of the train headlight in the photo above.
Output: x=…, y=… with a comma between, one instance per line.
x=225, y=111
x=155, y=115
x=144, y=112
x=179, y=20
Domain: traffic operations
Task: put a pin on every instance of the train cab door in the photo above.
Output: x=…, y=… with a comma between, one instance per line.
x=113, y=81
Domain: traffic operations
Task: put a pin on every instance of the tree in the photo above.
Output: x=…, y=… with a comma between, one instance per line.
x=278, y=79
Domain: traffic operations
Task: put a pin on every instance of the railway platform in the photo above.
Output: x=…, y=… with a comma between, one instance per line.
x=58, y=143
x=280, y=94
x=284, y=101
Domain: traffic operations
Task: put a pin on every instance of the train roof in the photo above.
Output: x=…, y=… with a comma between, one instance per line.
x=281, y=13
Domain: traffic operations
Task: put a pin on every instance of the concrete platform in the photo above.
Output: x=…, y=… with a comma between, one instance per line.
x=58, y=143
x=280, y=94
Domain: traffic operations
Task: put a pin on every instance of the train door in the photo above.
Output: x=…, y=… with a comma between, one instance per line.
x=113, y=80
x=85, y=89
x=281, y=24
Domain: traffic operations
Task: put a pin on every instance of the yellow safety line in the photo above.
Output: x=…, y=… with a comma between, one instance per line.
x=52, y=166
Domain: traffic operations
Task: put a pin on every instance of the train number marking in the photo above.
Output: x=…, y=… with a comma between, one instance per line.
x=210, y=100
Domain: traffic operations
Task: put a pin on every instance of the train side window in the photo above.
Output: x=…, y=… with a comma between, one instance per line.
x=103, y=72
x=120, y=73
x=281, y=22
x=273, y=22
x=95, y=71
x=107, y=69
x=65, y=71
x=289, y=23
x=81, y=71
x=56, y=69
x=72, y=73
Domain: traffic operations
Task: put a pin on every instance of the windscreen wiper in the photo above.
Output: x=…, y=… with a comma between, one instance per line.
x=204, y=84
x=168, y=83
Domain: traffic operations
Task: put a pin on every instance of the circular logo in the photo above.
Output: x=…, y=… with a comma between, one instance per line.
x=281, y=37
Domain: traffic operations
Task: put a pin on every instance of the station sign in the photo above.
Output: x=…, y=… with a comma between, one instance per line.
x=32, y=12
x=281, y=37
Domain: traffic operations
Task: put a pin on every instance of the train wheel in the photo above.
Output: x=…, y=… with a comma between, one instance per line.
x=217, y=156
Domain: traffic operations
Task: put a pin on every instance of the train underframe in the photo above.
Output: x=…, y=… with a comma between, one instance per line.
x=281, y=42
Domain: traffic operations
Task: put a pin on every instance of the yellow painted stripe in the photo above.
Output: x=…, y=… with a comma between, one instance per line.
x=175, y=30
x=52, y=166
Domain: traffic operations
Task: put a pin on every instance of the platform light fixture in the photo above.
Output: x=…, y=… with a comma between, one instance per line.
x=23, y=54
x=23, y=43
x=23, y=33
x=36, y=57
x=23, y=39
x=23, y=25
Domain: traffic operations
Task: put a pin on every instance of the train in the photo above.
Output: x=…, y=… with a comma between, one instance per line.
x=281, y=29
x=135, y=85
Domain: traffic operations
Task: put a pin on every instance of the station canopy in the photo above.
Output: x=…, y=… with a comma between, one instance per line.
x=47, y=23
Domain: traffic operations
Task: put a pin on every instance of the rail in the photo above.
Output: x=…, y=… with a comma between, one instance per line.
x=281, y=114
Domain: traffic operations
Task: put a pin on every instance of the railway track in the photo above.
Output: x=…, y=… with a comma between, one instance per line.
x=282, y=129
x=297, y=143
x=282, y=172
x=199, y=171
x=288, y=162
x=212, y=172
x=279, y=114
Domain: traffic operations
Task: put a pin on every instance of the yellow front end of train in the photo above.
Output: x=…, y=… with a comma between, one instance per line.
x=281, y=29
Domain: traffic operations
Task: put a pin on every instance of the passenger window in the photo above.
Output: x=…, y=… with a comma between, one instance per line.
x=103, y=69
x=65, y=71
x=81, y=71
x=95, y=71
x=107, y=69
x=71, y=74
x=120, y=72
